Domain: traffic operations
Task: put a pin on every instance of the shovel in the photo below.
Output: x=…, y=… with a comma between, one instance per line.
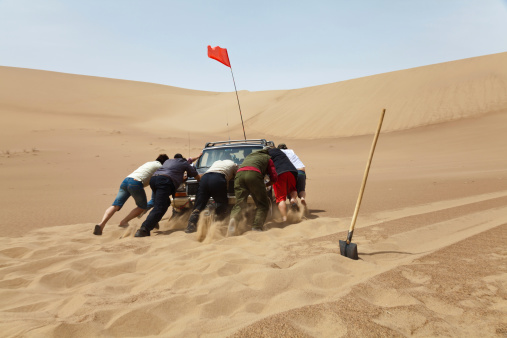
x=347, y=248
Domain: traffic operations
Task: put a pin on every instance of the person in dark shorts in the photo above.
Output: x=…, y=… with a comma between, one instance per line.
x=214, y=184
x=250, y=181
x=133, y=185
x=301, y=180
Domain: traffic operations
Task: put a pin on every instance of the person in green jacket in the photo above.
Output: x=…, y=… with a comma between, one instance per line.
x=250, y=181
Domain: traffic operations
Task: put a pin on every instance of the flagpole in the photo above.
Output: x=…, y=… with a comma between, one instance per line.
x=244, y=134
x=228, y=132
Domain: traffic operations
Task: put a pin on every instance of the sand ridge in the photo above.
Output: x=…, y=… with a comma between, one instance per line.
x=415, y=97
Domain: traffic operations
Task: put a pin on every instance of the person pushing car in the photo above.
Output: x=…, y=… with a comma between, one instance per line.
x=250, y=181
x=213, y=183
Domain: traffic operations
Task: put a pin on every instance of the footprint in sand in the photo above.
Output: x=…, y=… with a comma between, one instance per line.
x=322, y=323
x=385, y=297
x=416, y=277
x=438, y=306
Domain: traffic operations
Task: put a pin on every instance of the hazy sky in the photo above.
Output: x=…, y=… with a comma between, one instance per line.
x=271, y=44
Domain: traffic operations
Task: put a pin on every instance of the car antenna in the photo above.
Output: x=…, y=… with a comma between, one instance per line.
x=188, y=144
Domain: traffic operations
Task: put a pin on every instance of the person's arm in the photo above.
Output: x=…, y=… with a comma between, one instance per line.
x=235, y=168
x=193, y=159
x=192, y=172
x=273, y=177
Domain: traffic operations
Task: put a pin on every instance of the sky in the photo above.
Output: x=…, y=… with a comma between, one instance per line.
x=284, y=44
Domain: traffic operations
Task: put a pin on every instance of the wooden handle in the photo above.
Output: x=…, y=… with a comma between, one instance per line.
x=360, y=198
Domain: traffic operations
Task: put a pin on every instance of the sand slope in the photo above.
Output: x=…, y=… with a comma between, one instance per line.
x=432, y=230
x=441, y=269
x=415, y=97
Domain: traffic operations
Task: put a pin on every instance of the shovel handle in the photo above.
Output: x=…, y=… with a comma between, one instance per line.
x=365, y=177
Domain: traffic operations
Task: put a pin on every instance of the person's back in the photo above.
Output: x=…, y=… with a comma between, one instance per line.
x=225, y=167
x=294, y=158
x=281, y=161
x=144, y=172
x=258, y=159
x=174, y=169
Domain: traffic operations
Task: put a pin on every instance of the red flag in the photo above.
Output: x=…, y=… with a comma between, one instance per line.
x=219, y=54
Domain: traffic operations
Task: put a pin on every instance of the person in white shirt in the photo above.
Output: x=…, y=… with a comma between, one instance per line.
x=301, y=180
x=133, y=185
x=213, y=184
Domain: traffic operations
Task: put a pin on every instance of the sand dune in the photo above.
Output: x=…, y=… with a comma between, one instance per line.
x=415, y=97
x=432, y=230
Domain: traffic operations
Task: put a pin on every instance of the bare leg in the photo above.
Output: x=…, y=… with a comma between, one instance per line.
x=108, y=214
x=302, y=196
x=294, y=206
x=283, y=210
x=133, y=214
x=294, y=197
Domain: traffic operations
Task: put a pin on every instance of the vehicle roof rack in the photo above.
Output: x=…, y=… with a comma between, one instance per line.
x=258, y=141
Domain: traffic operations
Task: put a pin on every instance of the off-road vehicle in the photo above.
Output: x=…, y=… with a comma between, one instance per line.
x=235, y=150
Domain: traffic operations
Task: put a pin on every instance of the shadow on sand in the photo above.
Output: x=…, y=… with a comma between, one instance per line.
x=388, y=252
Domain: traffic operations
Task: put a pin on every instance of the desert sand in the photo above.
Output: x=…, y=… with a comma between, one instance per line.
x=431, y=231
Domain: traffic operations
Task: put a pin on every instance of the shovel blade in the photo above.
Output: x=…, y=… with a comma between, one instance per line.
x=349, y=250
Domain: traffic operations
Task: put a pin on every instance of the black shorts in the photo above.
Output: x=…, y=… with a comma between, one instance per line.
x=301, y=181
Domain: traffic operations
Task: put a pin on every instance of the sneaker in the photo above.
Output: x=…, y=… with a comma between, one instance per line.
x=142, y=233
x=97, y=231
x=257, y=229
x=191, y=227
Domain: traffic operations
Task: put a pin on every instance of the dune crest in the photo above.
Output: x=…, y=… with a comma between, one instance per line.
x=413, y=97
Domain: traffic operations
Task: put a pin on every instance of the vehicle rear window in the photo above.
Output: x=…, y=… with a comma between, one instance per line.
x=236, y=154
